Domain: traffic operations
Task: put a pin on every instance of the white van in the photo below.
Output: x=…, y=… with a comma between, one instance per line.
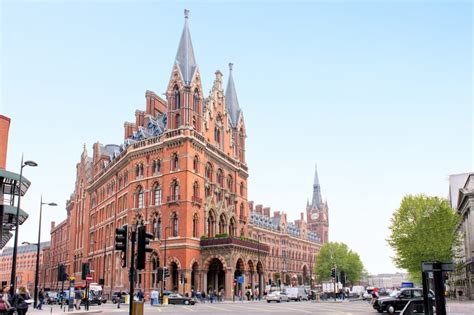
x=296, y=293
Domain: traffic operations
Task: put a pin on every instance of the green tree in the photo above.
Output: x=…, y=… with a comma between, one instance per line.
x=423, y=229
x=340, y=255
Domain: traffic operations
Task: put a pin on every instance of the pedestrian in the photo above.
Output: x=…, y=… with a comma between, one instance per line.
x=140, y=295
x=5, y=306
x=154, y=297
x=20, y=301
x=41, y=299
x=118, y=298
x=203, y=296
x=77, y=299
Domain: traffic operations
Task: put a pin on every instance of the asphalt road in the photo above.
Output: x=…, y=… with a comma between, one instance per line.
x=260, y=308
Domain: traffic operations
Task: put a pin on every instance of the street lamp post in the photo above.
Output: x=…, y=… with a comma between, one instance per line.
x=15, y=243
x=258, y=273
x=52, y=204
x=163, y=283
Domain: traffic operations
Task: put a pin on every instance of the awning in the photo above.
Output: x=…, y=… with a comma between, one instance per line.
x=10, y=183
x=9, y=216
x=5, y=237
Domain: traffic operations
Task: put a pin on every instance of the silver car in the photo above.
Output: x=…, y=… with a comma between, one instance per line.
x=277, y=296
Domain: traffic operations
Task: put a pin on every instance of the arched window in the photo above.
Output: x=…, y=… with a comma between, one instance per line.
x=196, y=164
x=195, y=191
x=137, y=170
x=157, y=195
x=222, y=224
x=242, y=210
x=232, y=227
x=209, y=171
x=174, y=224
x=241, y=188
x=157, y=228
x=139, y=198
x=195, y=225
x=125, y=178
x=156, y=166
x=177, y=120
x=175, y=162
x=220, y=177
x=211, y=221
x=175, y=190
x=177, y=98
x=196, y=101
x=207, y=190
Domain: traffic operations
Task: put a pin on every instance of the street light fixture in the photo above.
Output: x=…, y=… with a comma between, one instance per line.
x=52, y=204
x=15, y=243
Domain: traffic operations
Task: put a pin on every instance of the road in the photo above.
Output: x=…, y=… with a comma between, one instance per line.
x=260, y=308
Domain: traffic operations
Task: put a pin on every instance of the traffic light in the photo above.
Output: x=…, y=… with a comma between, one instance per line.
x=85, y=270
x=159, y=273
x=62, y=276
x=343, y=278
x=121, y=243
x=166, y=272
x=143, y=242
x=333, y=272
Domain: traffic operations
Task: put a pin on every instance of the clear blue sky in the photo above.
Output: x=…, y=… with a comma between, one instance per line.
x=378, y=94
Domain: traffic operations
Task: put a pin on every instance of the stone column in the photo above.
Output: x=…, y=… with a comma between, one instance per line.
x=229, y=280
x=204, y=281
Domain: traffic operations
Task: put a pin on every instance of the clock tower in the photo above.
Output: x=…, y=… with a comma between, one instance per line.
x=317, y=212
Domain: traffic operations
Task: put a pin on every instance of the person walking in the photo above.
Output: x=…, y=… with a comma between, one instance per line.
x=154, y=297
x=77, y=299
x=20, y=301
x=118, y=298
x=4, y=303
x=41, y=299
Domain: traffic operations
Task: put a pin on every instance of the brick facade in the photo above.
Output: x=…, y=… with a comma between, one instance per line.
x=181, y=172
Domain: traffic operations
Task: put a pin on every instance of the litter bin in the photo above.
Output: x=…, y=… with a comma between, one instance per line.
x=137, y=308
x=165, y=300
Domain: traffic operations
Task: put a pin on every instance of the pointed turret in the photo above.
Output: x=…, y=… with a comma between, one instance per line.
x=185, y=59
x=316, y=203
x=231, y=101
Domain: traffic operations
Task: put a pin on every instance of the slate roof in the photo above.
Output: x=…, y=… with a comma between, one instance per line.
x=231, y=101
x=185, y=59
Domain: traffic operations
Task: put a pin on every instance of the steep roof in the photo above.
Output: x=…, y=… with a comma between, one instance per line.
x=316, y=202
x=231, y=101
x=185, y=60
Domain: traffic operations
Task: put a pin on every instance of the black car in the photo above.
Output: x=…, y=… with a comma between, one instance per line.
x=397, y=300
x=176, y=298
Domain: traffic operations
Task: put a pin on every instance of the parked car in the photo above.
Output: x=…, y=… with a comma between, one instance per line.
x=52, y=297
x=176, y=298
x=397, y=300
x=277, y=296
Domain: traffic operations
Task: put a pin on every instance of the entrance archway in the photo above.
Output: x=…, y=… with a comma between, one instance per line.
x=239, y=271
x=260, y=280
x=215, y=276
x=194, y=277
x=174, y=276
x=251, y=269
x=305, y=275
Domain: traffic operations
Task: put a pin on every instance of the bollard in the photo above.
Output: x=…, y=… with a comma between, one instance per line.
x=165, y=300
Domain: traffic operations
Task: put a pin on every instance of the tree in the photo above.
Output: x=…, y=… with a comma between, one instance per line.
x=340, y=255
x=423, y=229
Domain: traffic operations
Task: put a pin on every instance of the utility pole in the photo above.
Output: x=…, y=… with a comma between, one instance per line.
x=132, y=271
x=163, y=283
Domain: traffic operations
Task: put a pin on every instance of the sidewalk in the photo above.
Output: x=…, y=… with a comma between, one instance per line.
x=57, y=311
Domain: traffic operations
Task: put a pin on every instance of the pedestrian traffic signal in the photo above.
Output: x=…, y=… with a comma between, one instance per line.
x=121, y=243
x=85, y=270
x=166, y=272
x=143, y=242
x=333, y=272
x=159, y=273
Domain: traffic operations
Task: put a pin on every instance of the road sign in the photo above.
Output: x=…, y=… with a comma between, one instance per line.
x=241, y=279
x=437, y=266
x=88, y=278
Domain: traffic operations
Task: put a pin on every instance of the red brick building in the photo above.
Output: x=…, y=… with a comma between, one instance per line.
x=181, y=172
x=25, y=267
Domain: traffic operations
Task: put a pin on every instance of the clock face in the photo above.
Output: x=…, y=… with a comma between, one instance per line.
x=315, y=216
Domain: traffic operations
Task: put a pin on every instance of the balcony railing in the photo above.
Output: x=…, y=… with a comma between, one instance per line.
x=235, y=242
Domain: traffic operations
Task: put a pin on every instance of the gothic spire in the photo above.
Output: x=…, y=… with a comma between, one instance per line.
x=185, y=59
x=231, y=101
x=316, y=190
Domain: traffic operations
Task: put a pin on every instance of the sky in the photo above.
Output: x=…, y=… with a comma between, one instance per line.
x=377, y=93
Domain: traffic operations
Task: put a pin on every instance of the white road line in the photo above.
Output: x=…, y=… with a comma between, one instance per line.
x=215, y=307
x=189, y=308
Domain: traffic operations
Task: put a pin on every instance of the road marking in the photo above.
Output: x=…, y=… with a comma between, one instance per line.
x=215, y=307
x=252, y=308
x=189, y=308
